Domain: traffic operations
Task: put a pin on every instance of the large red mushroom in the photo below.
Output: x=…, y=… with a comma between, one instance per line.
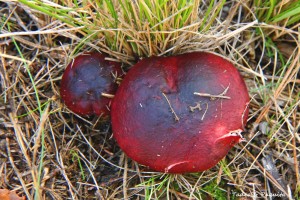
x=180, y=114
x=89, y=83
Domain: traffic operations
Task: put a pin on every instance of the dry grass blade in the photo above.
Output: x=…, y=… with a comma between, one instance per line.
x=46, y=152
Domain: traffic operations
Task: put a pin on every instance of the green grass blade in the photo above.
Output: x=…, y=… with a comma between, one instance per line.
x=50, y=11
x=145, y=12
x=293, y=11
x=271, y=9
x=111, y=8
x=207, y=13
x=219, y=7
x=41, y=111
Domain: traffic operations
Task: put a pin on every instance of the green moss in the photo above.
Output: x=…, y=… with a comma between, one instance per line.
x=215, y=190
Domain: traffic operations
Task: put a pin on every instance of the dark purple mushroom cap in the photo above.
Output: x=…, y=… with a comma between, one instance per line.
x=89, y=83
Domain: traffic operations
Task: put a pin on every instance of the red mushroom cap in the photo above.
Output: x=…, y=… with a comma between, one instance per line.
x=180, y=114
x=86, y=81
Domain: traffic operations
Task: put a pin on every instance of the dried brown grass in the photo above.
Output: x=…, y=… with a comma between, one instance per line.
x=267, y=163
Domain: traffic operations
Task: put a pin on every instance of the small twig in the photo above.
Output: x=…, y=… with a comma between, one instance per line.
x=16, y=170
x=197, y=106
x=172, y=110
x=269, y=165
x=116, y=77
x=111, y=96
x=125, y=195
x=180, y=194
x=212, y=96
x=267, y=173
x=205, y=111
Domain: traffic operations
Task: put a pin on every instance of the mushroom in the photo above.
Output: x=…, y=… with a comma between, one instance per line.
x=89, y=83
x=180, y=114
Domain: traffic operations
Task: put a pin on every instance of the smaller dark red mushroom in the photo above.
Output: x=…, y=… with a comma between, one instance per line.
x=89, y=83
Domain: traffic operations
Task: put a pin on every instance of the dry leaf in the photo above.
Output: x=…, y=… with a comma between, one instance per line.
x=286, y=49
x=9, y=195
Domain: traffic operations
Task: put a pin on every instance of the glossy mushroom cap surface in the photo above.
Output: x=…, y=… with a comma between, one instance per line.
x=180, y=114
x=88, y=82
